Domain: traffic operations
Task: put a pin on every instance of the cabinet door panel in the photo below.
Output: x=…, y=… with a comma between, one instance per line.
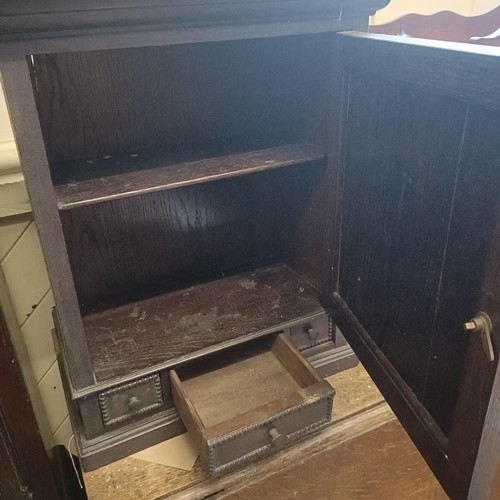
x=420, y=195
x=469, y=240
x=401, y=165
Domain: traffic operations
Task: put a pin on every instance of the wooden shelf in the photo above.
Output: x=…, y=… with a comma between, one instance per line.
x=150, y=332
x=112, y=178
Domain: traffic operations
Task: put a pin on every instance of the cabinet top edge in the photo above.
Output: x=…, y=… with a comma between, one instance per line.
x=419, y=43
x=23, y=20
x=460, y=71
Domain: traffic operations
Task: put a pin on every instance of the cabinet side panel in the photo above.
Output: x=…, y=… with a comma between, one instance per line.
x=313, y=251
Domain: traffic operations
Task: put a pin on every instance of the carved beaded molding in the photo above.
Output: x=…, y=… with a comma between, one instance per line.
x=104, y=399
x=328, y=338
x=214, y=468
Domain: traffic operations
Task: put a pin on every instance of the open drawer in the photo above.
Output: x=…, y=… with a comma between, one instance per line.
x=248, y=401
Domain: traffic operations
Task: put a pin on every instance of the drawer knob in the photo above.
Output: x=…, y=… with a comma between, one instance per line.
x=134, y=404
x=277, y=440
x=312, y=334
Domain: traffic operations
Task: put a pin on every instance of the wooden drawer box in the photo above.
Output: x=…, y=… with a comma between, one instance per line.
x=246, y=403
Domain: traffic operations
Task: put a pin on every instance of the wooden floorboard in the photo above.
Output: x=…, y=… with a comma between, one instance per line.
x=295, y=456
x=380, y=464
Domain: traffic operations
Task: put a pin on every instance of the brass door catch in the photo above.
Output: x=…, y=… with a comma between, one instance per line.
x=481, y=324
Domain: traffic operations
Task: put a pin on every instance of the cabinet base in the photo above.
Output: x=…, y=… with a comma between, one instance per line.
x=325, y=358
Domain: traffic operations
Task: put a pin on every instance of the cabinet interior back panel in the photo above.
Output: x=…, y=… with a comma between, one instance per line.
x=166, y=240
x=99, y=103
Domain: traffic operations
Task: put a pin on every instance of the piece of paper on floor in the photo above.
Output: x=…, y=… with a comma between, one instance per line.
x=178, y=452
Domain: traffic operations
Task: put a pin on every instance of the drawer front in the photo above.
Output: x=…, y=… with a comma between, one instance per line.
x=268, y=436
x=311, y=333
x=128, y=401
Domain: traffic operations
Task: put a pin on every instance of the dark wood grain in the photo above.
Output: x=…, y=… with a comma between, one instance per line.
x=136, y=174
x=401, y=164
x=144, y=333
x=174, y=238
x=419, y=424
x=478, y=406
x=314, y=246
x=25, y=467
x=179, y=97
x=444, y=203
x=444, y=64
x=470, y=239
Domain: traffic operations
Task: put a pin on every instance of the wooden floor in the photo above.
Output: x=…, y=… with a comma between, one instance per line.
x=380, y=464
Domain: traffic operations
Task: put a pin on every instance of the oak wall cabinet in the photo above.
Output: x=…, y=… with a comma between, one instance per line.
x=215, y=183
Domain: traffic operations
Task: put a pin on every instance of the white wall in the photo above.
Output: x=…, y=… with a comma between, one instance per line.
x=9, y=160
x=28, y=298
x=399, y=8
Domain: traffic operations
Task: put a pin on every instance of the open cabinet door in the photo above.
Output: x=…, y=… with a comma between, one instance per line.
x=419, y=236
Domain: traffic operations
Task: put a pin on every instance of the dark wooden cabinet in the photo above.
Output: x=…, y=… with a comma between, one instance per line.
x=204, y=177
